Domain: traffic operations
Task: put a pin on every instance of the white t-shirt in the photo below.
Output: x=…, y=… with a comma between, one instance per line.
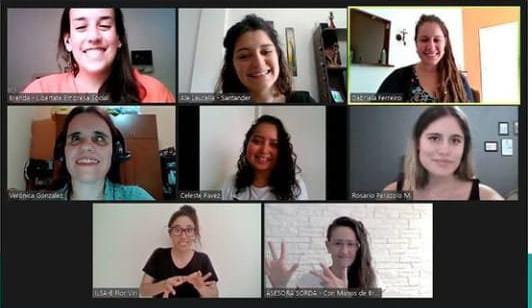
x=257, y=193
x=308, y=280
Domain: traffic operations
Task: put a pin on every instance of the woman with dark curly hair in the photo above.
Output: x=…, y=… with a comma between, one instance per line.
x=435, y=78
x=267, y=168
x=347, y=243
x=254, y=63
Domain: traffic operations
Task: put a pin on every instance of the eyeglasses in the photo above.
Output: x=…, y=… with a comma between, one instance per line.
x=349, y=244
x=177, y=230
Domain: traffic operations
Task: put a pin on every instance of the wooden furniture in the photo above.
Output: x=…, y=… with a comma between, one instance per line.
x=369, y=38
x=330, y=46
x=140, y=132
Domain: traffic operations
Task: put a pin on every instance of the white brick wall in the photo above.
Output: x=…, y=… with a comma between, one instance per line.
x=400, y=237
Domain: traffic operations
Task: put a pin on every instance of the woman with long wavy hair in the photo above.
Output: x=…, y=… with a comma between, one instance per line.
x=435, y=78
x=351, y=263
x=267, y=168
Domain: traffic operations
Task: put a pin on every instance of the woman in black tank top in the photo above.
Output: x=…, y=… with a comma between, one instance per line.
x=438, y=163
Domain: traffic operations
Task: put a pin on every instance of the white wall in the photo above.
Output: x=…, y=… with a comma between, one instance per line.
x=125, y=235
x=222, y=133
x=400, y=237
x=32, y=36
x=188, y=24
x=213, y=24
x=19, y=121
x=367, y=79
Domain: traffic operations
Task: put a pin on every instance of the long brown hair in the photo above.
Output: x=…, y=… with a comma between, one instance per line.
x=451, y=88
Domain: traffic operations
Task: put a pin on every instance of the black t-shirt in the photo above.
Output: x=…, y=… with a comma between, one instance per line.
x=160, y=266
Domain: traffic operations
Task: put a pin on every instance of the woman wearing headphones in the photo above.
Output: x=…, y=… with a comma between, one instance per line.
x=90, y=149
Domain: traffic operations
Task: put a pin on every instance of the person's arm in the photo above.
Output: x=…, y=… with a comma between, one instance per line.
x=150, y=288
x=488, y=193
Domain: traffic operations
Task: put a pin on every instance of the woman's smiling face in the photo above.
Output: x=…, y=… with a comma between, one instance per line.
x=93, y=39
x=256, y=61
x=88, y=148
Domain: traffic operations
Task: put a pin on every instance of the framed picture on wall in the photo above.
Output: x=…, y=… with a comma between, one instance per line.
x=504, y=129
x=507, y=148
x=491, y=146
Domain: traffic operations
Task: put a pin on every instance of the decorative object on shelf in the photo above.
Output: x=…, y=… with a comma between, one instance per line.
x=490, y=146
x=504, y=128
x=382, y=57
x=332, y=55
x=291, y=50
x=331, y=21
x=401, y=36
x=337, y=96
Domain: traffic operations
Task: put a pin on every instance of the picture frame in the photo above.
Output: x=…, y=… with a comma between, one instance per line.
x=291, y=50
x=491, y=146
x=504, y=129
x=507, y=148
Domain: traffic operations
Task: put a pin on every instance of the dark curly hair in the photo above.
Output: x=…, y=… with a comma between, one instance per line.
x=360, y=273
x=283, y=176
x=229, y=81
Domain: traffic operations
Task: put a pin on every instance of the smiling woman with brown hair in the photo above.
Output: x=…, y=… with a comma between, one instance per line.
x=435, y=78
x=438, y=163
x=180, y=271
x=254, y=63
x=89, y=150
x=93, y=44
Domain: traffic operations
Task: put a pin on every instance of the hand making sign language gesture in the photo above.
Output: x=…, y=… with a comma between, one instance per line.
x=329, y=279
x=205, y=288
x=276, y=270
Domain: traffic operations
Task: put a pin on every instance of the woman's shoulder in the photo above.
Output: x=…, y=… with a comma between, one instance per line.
x=115, y=191
x=303, y=193
x=397, y=80
x=53, y=83
x=390, y=187
x=488, y=193
x=156, y=91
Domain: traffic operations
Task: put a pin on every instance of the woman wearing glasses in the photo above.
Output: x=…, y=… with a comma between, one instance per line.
x=180, y=271
x=347, y=243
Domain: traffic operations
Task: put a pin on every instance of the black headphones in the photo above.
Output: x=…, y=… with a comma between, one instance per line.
x=120, y=153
